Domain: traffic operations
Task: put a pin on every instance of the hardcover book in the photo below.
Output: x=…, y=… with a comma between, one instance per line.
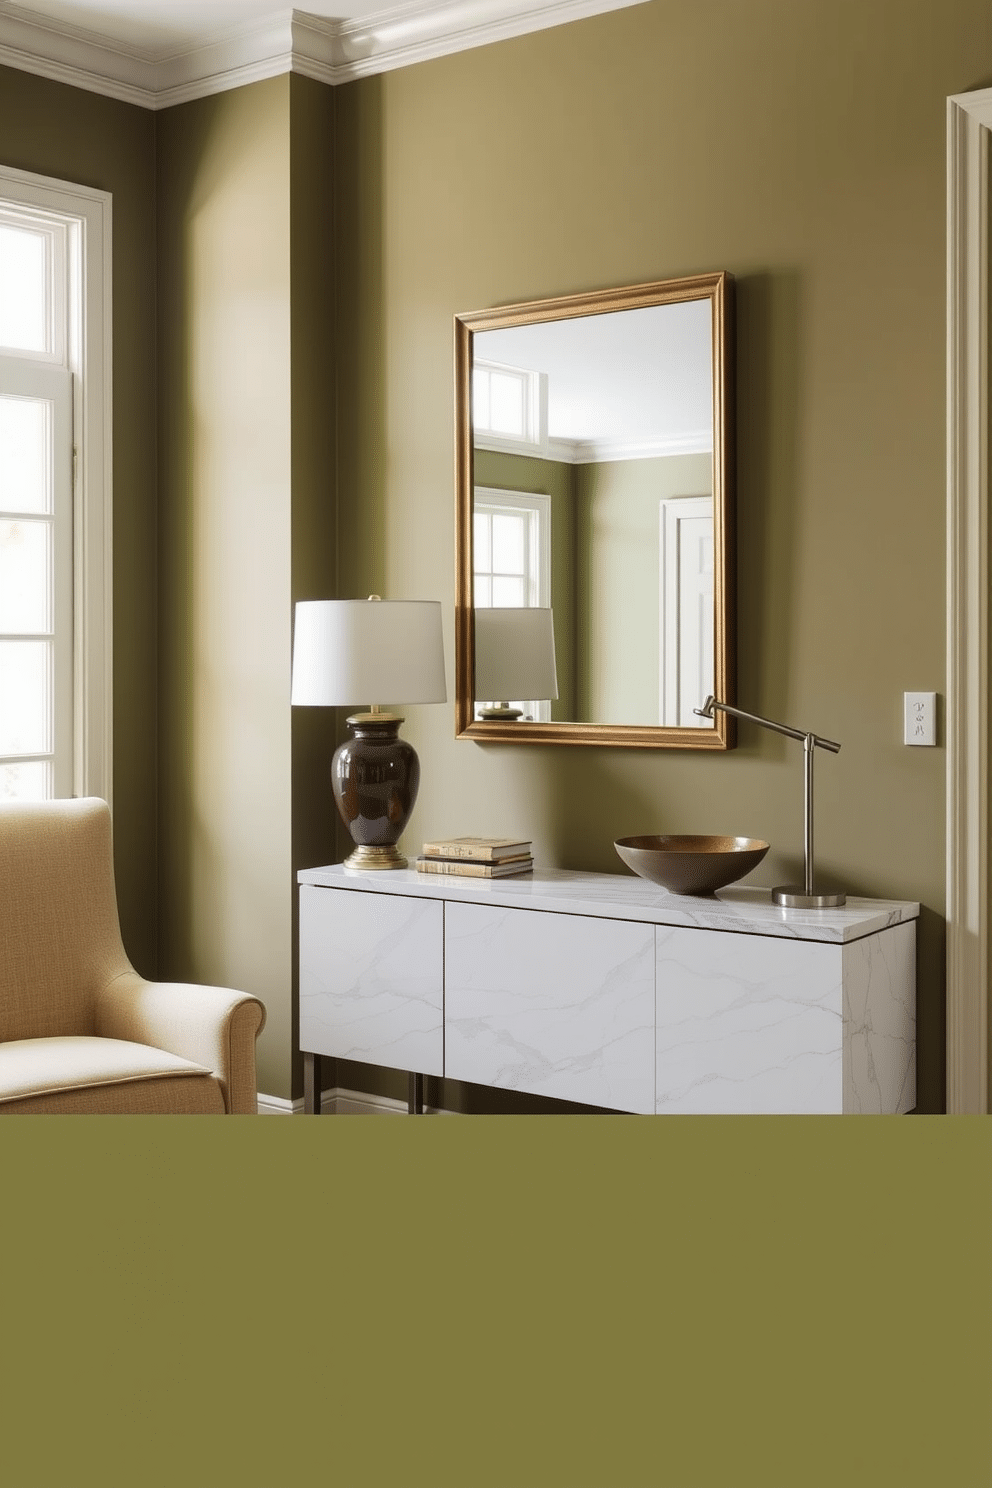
x=481, y=849
x=473, y=868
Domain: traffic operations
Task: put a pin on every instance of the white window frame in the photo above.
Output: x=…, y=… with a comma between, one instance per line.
x=537, y=505
x=85, y=216
x=534, y=395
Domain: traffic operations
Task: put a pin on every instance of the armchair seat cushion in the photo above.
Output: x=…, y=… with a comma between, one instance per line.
x=77, y=1074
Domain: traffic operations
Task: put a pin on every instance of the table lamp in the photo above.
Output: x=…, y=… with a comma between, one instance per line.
x=349, y=651
x=514, y=658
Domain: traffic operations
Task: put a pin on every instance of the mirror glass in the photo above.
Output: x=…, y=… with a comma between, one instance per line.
x=594, y=511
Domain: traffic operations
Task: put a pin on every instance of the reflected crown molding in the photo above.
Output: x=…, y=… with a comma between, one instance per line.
x=330, y=51
x=595, y=451
x=599, y=451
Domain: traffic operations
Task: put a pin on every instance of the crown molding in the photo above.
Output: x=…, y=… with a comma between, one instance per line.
x=329, y=51
x=34, y=43
x=598, y=451
x=408, y=34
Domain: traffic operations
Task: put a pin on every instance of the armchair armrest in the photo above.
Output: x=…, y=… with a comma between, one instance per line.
x=213, y=1026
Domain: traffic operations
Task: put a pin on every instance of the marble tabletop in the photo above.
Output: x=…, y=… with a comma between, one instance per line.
x=741, y=908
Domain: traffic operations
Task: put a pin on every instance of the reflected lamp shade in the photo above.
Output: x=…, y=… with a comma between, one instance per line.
x=351, y=652
x=514, y=657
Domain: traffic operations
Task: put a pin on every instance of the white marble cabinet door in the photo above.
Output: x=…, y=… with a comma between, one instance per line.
x=748, y=1024
x=371, y=978
x=880, y=1022
x=552, y=1004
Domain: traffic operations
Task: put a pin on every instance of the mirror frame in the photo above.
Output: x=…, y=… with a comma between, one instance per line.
x=718, y=288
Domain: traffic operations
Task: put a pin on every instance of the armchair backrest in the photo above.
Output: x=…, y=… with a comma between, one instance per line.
x=60, y=939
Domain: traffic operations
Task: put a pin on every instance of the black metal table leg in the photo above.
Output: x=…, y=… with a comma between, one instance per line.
x=415, y=1094
x=312, y=1088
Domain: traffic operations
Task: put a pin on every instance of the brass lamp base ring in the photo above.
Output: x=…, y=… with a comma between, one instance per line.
x=792, y=896
x=366, y=859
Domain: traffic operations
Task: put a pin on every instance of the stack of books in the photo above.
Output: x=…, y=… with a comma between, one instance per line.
x=477, y=857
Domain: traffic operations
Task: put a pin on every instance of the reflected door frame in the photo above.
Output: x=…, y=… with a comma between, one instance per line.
x=685, y=587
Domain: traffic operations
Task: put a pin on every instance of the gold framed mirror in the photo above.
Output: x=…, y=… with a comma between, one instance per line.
x=595, y=580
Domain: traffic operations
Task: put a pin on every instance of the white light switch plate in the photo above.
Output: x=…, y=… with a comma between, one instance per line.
x=919, y=718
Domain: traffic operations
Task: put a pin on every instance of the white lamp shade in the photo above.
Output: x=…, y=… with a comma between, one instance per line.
x=515, y=654
x=348, y=652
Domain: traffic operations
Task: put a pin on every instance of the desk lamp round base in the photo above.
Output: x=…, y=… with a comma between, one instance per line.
x=794, y=896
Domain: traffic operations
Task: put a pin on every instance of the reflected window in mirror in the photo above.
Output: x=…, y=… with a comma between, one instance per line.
x=617, y=408
x=509, y=407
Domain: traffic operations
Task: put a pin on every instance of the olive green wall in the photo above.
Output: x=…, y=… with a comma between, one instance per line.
x=247, y=523
x=800, y=147
x=617, y=567
x=313, y=535
x=57, y=131
x=225, y=551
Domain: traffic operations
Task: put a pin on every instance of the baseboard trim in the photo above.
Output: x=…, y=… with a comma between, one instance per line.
x=339, y=1101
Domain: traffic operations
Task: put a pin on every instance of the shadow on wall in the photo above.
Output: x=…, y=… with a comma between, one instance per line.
x=360, y=271
x=769, y=416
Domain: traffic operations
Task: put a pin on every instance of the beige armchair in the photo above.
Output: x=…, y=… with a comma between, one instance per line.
x=80, y=1031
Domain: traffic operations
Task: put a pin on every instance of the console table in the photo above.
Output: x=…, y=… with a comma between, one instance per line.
x=605, y=990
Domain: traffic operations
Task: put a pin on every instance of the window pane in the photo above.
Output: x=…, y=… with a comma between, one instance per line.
x=483, y=591
x=480, y=398
x=508, y=592
x=25, y=569
x=508, y=544
x=480, y=542
x=30, y=780
x=506, y=396
x=25, y=691
x=25, y=485
x=23, y=297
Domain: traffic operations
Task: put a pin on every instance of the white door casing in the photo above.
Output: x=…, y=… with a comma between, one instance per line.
x=969, y=129
x=686, y=609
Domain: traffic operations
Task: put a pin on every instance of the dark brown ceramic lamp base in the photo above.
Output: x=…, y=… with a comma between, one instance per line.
x=375, y=776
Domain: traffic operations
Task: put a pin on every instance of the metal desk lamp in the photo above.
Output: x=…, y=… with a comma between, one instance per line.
x=792, y=896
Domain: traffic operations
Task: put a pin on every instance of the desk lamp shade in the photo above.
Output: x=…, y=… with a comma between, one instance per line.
x=352, y=651
x=514, y=658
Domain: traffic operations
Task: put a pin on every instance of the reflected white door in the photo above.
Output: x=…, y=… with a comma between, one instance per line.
x=686, y=590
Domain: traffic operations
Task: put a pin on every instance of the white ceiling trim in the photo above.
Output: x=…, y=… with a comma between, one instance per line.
x=68, y=54
x=289, y=41
x=598, y=451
